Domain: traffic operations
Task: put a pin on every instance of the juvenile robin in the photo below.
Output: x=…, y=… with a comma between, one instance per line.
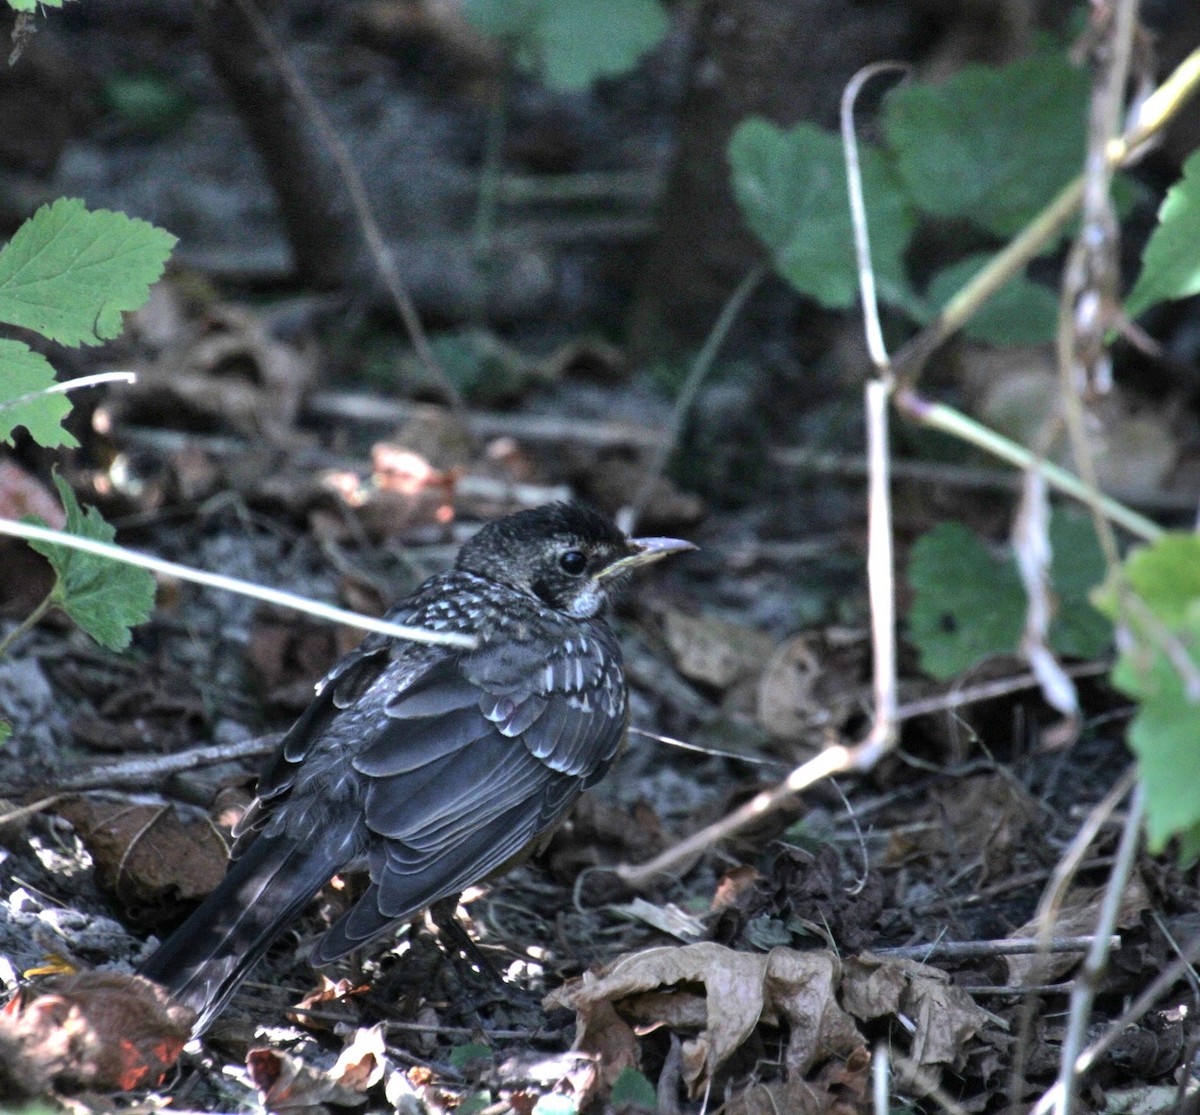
x=426, y=766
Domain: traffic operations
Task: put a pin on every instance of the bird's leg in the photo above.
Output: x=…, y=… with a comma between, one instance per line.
x=458, y=940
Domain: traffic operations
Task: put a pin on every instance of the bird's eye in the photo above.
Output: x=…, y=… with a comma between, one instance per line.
x=573, y=563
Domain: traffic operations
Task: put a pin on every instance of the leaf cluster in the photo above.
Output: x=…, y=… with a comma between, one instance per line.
x=69, y=274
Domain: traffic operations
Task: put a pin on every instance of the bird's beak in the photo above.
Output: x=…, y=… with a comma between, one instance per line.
x=645, y=550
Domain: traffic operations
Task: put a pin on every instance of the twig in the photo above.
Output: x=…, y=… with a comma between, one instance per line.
x=858, y=212
x=1062, y=1096
x=232, y=584
x=1053, y=896
x=700, y=368
x=937, y=416
x=377, y=246
x=146, y=770
x=989, y=690
x=1003, y=946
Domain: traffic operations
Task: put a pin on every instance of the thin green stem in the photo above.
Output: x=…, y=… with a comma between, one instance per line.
x=27, y=624
x=697, y=373
x=489, y=187
x=938, y=416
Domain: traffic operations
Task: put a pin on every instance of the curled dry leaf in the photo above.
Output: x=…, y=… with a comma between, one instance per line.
x=1077, y=917
x=740, y=990
x=289, y=1084
x=94, y=1031
x=714, y=651
x=149, y=857
x=226, y=371
x=944, y=1016
x=810, y=685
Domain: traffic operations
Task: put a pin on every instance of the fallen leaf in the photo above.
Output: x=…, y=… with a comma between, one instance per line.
x=94, y=1031
x=714, y=651
x=149, y=857
x=943, y=1015
x=740, y=990
x=1077, y=917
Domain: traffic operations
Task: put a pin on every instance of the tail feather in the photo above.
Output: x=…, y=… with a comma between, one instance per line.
x=205, y=960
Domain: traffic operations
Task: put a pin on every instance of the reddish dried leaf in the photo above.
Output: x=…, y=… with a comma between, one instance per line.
x=95, y=1031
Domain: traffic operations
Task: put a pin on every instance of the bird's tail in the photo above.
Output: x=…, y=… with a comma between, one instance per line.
x=205, y=960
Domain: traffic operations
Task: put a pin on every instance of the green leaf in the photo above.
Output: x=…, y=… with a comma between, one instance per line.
x=474, y=1103
x=1165, y=737
x=470, y=1054
x=632, y=1089
x=70, y=274
x=570, y=43
x=1171, y=261
x=104, y=597
x=5, y=732
x=24, y=372
x=1165, y=733
x=1166, y=575
x=32, y=5
x=791, y=187
x=967, y=605
x=1021, y=312
x=1077, y=566
x=991, y=146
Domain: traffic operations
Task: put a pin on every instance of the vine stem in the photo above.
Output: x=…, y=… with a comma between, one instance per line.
x=27, y=624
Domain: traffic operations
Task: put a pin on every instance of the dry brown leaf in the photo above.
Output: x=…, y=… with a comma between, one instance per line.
x=1076, y=918
x=944, y=1016
x=714, y=651
x=811, y=684
x=148, y=856
x=95, y=1031
x=289, y=1084
x=740, y=990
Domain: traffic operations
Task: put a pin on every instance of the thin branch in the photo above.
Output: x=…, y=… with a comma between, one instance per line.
x=233, y=584
x=377, y=245
x=858, y=212
x=1003, y=946
x=1087, y=983
x=700, y=368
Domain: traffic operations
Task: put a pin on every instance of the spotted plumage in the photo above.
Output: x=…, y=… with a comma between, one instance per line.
x=429, y=768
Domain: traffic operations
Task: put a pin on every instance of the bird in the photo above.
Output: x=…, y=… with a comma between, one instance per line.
x=428, y=767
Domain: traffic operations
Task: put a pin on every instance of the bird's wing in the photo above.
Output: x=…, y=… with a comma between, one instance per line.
x=337, y=691
x=480, y=754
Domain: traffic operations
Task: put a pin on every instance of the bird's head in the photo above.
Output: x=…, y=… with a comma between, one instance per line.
x=570, y=557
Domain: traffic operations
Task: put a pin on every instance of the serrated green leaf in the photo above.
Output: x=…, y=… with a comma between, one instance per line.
x=1021, y=312
x=70, y=274
x=632, y=1089
x=571, y=43
x=991, y=146
x=24, y=372
x=1166, y=575
x=967, y=604
x=1171, y=261
x=1165, y=733
x=1165, y=737
x=791, y=188
x=103, y=597
x=582, y=40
